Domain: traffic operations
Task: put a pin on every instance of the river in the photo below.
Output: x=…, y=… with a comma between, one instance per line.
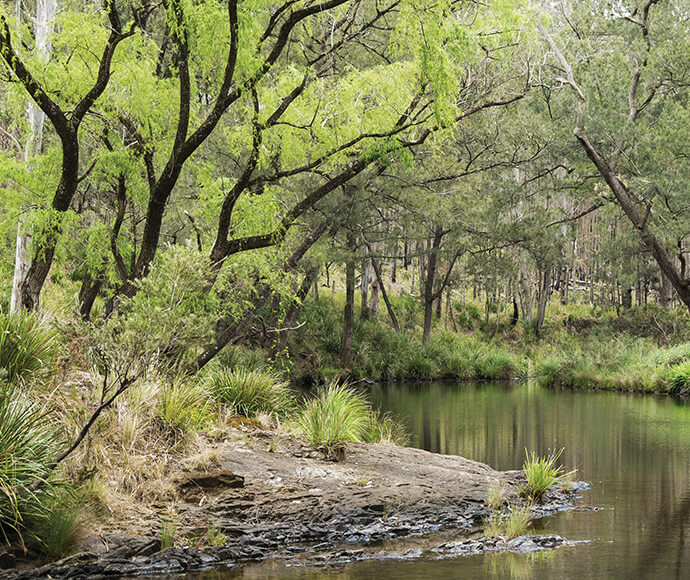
x=634, y=449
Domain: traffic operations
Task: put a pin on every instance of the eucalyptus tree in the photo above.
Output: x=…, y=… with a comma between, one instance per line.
x=627, y=65
x=285, y=100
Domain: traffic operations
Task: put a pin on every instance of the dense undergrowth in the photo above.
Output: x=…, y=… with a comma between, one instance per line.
x=53, y=374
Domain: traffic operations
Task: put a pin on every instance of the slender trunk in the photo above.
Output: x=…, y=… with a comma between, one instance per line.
x=349, y=313
x=364, y=288
x=391, y=313
x=544, y=294
x=429, y=286
x=665, y=293
x=87, y=295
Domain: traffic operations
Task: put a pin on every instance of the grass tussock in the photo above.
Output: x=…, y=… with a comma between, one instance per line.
x=542, y=473
x=29, y=446
x=250, y=393
x=26, y=345
x=512, y=523
x=337, y=415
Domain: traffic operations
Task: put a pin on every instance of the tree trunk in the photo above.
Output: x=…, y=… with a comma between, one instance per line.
x=349, y=313
x=379, y=278
x=627, y=204
x=429, y=295
x=364, y=288
x=544, y=294
x=43, y=29
x=665, y=293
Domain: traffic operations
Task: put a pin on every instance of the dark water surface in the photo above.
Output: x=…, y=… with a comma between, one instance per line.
x=635, y=450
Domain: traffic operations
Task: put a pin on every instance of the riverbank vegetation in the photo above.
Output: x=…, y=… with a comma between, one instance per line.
x=209, y=206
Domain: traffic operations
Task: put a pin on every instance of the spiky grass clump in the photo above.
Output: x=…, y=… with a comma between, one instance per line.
x=184, y=407
x=26, y=345
x=338, y=414
x=518, y=520
x=253, y=392
x=28, y=448
x=679, y=378
x=335, y=416
x=542, y=473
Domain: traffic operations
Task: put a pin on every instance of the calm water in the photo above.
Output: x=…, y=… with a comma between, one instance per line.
x=635, y=450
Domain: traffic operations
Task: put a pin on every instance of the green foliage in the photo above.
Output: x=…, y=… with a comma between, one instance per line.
x=29, y=446
x=26, y=345
x=383, y=428
x=542, y=473
x=167, y=532
x=252, y=392
x=512, y=523
x=58, y=531
x=169, y=318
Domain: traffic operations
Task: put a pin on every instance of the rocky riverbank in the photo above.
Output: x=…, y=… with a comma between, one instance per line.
x=270, y=495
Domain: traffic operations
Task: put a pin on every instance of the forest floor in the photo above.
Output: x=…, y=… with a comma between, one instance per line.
x=271, y=495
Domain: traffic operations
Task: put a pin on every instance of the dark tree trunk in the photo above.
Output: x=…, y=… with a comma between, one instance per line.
x=429, y=295
x=349, y=313
x=87, y=295
x=391, y=313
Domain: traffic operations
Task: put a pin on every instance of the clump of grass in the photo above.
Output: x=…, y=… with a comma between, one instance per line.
x=26, y=345
x=495, y=494
x=679, y=378
x=184, y=407
x=58, y=530
x=167, y=533
x=335, y=416
x=517, y=521
x=512, y=523
x=338, y=414
x=542, y=473
x=28, y=448
x=215, y=536
x=252, y=392
x=383, y=428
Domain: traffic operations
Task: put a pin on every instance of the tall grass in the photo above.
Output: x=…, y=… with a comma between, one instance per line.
x=335, y=416
x=252, y=392
x=26, y=345
x=28, y=448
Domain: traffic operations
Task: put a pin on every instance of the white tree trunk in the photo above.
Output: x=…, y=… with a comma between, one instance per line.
x=43, y=29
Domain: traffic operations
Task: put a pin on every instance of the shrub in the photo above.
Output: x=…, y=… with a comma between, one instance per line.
x=26, y=346
x=336, y=415
x=28, y=448
x=250, y=393
x=542, y=473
